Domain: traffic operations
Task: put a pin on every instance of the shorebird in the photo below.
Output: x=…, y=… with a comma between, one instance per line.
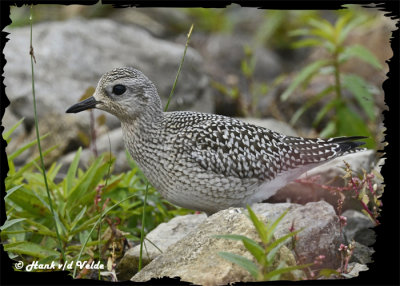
x=200, y=161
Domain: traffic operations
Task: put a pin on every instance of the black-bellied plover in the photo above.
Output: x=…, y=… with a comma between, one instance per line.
x=202, y=161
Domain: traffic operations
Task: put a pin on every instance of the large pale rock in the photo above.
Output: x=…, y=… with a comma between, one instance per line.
x=359, y=227
x=195, y=257
x=157, y=242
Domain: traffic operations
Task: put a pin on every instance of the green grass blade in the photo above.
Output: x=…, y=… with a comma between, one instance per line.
x=30, y=248
x=252, y=246
x=305, y=74
x=334, y=103
x=94, y=226
x=78, y=217
x=357, y=126
x=282, y=240
x=38, y=139
x=12, y=190
x=329, y=130
x=10, y=222
x=359, y=88
x=243, y=262
x=255, y=249
x=142, y=228
x=272, y=227
x=69, y=179
x=18, y=152
x=259, y=225
x=363, y=54
x=180, y=67
x=6, y=134
x=310, y=103
x=29, y=165
x=310, y=42
x=271, y=275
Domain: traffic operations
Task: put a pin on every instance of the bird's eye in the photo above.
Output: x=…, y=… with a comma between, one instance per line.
x=119, y=89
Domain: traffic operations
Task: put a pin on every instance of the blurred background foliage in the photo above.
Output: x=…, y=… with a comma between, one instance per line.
x=328, y=84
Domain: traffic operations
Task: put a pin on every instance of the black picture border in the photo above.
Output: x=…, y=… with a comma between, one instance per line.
x=384, y=270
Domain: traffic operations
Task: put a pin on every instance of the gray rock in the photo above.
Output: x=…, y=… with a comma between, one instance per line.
x=226, y=53
x=157, y=242
x=359, y=228
x=195, y=257
x=362, y=254
x=320, y=224
x=72, y=55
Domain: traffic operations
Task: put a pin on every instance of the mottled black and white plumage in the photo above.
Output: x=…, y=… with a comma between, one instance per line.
x=201, y=161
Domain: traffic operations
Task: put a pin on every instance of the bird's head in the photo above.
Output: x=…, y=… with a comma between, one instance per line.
x=124, y=92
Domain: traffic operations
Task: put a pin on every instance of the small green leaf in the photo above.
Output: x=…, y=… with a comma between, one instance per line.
x=255, y=249
x=78, y=218
x=11, y=222
x=329, y=130
x=306, y=73
x=326, y=272
x=350, y=123
x=350, y=26
x=278, y=242
x=6, y=134
x=310, y=42
x=259, y=225
x=341, y=22
x=243, y=262
x=30, y=248
x=69, y=179
x=299, y=32
x=358, y=87
x=328, y=36
x=323, y=28
x=280, y=271
x=42, y=229
x=272, y=227
x=327, y=107
x=363, y=54
x=25, y=147
x=310, y=103
x=12, y=190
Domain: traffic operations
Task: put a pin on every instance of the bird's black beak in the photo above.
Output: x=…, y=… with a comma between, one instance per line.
x=83, y=105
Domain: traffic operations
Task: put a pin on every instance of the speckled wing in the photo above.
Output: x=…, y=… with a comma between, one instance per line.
x=233, y=148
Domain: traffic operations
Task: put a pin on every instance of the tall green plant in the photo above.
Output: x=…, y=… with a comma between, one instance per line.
x=331, y=37
x=49, y=201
